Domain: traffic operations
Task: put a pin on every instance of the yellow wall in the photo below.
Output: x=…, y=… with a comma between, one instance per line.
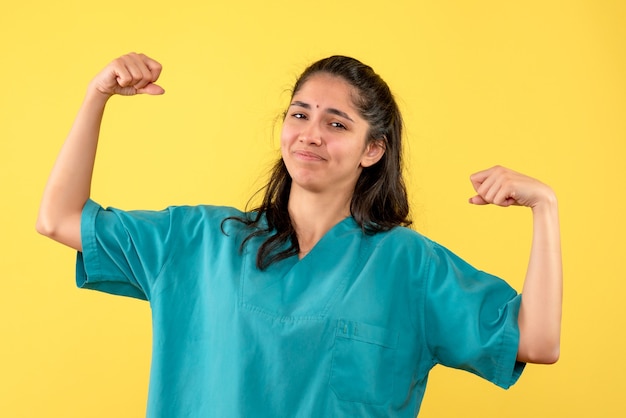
x=538, y=85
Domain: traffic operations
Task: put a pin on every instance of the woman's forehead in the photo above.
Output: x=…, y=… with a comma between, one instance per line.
x=327, y=87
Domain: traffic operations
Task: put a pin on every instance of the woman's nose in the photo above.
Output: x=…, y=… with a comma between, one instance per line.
x=311, y=134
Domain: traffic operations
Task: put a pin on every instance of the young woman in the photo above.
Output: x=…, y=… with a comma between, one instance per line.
x=320, y=302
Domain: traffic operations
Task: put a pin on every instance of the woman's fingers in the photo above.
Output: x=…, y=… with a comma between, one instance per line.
x=504, y=187
x=129, y=75
x=477, y=200
x=487, y=186
x=152, y=89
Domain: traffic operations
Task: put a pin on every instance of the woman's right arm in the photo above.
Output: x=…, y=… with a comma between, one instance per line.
x=69, y=184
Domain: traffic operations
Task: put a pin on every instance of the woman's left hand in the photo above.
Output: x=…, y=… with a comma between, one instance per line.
x=541, y=307
x=504, y=187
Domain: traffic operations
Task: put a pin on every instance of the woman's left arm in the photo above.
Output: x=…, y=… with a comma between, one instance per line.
x=540, y=312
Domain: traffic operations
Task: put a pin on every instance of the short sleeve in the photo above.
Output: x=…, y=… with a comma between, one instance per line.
x=471, y=319
x=123, y=252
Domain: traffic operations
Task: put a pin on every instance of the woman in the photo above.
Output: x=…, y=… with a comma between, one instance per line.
x=320, y=302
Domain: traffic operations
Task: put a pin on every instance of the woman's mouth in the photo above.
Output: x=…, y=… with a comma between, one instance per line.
x=307, y=156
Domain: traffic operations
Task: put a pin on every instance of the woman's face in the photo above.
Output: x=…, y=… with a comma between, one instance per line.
x=323, y=140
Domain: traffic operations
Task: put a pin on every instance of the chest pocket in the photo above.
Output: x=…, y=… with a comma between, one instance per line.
x=363, y=363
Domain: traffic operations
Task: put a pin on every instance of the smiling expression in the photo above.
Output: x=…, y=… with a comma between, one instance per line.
x=323, y=140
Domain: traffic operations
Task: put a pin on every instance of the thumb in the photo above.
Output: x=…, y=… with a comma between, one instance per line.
x=477, y=200
x=152, y=89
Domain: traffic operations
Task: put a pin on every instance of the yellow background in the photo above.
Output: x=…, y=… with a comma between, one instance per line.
x=539, y=86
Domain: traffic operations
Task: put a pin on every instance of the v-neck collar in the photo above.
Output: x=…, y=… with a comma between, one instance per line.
x=345, y=224
x=306, y=288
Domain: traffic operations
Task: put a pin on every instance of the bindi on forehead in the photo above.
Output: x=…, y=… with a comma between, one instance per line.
x=330, y=110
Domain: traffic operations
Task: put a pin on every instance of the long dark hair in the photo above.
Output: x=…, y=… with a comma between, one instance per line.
x=379, y=201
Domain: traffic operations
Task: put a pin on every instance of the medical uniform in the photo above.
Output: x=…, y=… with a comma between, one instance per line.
x=350, y=330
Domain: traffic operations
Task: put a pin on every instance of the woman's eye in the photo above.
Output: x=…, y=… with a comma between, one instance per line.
x=338, y=125
x=299, y=115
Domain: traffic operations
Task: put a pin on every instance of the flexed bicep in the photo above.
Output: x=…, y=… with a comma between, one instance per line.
x=69, y=184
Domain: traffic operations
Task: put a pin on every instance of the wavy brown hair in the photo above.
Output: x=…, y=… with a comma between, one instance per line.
x=379, y=201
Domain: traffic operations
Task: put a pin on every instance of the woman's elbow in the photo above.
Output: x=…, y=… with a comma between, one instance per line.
x=45, y=227
x=544, y=354
x=67, y=232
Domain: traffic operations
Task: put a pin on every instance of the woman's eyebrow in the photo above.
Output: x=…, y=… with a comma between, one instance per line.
x=339, y=113
x=330, y=110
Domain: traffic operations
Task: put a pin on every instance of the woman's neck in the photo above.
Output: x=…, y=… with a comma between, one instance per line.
x=314, y=214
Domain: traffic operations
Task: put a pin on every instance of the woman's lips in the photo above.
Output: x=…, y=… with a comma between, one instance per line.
x=307, y=156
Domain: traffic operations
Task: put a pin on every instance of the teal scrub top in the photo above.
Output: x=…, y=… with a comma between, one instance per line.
x=350, y=330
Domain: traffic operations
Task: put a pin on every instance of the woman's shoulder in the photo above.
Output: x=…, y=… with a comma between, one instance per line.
x=400, y=235
x=207, y=210
x=401, y=241
x=199, y=209
x=185, y=211
x=179, y=215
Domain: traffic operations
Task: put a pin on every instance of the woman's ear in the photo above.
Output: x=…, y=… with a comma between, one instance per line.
x=374, y=151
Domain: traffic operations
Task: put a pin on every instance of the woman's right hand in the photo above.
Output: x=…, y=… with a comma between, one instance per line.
x=69, y=183
x=129, y=75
